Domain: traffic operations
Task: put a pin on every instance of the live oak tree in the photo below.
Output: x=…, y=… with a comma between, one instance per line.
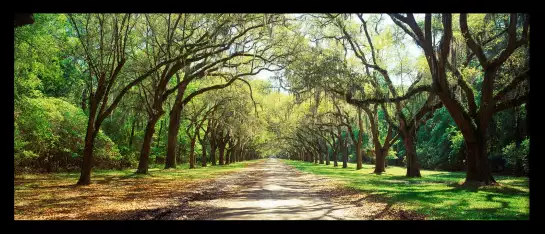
x=106, y=42
x=459, y=98
x=407, y=122
x=242, y=47
x=474, y=119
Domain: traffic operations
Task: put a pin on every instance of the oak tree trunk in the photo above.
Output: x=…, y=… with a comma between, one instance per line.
x=413, y=167
x=158, y=141
x=380, y=156
x=213, y=152
x=222, y=150
x=227, y=156
x=478, y=169
x=203, y=157
x=192, y=154
x=345, y=154
x=146, y=145
x=173, y=128
x=85, y=176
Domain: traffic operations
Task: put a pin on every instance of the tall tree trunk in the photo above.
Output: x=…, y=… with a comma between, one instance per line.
x=146, y=145
x=380, y=161
x=381, y=151
x=236, y=154
x=173, y=128
x=85, y=176
x=334, y=149
x=222, y=150
x=227, y=156
x=335, y=164
x=192, y=154
x=321, y=158
x=358, y=156
x=158, y=141
x=179, y=151
x=327, y=158
x=203, y=157
x=360, y=140
x=132, y=131
x=339, y=145
x=413, y=167
x=345, y=154
x=174, y=125
x=213, y=151
x=478, y=169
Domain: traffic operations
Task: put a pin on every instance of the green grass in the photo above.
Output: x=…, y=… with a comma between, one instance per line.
x=438, y=194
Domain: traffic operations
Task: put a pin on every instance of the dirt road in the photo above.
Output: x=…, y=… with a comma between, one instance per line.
x=272, y=190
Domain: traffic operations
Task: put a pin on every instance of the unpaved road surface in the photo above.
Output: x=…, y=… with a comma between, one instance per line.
x=272, y=190
x=280, y=193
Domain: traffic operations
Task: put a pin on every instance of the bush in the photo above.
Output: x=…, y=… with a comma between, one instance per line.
x=517, y=157
x=49, y=134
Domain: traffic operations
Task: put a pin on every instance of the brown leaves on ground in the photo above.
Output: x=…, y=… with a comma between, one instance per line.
x=47, y=197
x=109, y=197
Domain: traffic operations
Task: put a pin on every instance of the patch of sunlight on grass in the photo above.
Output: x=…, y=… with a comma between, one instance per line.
x=437, y=194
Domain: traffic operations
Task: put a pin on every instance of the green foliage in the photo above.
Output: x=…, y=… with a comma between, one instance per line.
x=43, y=58
x=456, y=139
x=517, y=156
x=438, y=142
x=52, y=130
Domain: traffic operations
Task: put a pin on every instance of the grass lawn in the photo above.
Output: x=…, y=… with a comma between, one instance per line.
x=438, y=194
x=55, y=195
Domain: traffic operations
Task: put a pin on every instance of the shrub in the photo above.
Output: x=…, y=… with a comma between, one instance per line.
x=49, y=134
x=517, y=157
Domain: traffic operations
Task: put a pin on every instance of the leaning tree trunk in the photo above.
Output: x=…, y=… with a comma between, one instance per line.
x=146, y=145
x=159, y=141
x=173, y=128
x=87, y=164
x=85, y=176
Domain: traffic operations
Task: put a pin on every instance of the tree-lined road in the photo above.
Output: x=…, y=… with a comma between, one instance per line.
x=272, y=190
